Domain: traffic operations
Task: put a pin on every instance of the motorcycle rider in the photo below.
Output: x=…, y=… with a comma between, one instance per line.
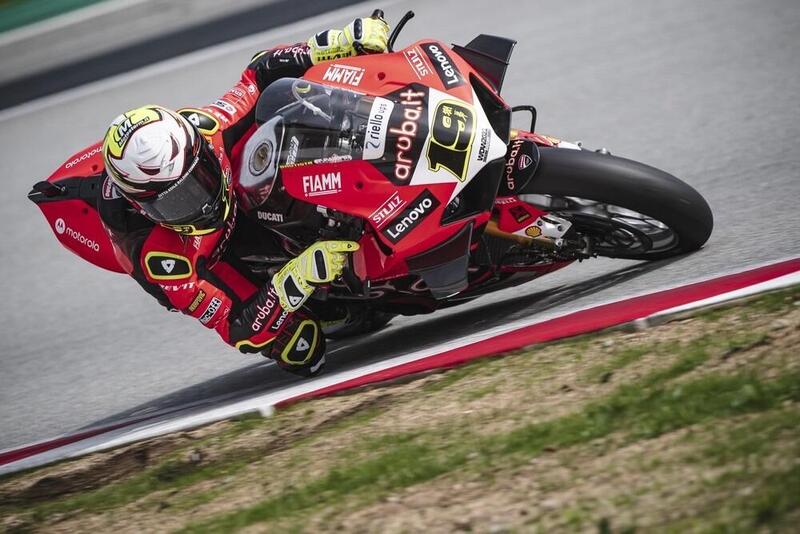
x=172, y=212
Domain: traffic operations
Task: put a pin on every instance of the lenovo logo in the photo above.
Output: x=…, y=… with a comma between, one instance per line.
x=411, y=217
x=443, y=66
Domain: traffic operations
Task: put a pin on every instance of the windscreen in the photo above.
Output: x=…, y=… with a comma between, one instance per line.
x=301, y=122
x=412, y=133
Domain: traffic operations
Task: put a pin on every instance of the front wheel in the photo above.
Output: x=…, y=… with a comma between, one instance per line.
x=621, y=208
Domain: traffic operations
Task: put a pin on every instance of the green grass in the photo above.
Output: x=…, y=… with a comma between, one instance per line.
x=403, y=465
x=175, y=472
x=774, y=302
x=757, y=413
x=773, y=498
x=642, y=411
x=777, y=495
x=172, y=474
x=452, y=376
x=762, y=304
x=752, y=438
x=602, y=372
x=480, y=392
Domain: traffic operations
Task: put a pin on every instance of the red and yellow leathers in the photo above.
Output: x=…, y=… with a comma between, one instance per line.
x=202, y=275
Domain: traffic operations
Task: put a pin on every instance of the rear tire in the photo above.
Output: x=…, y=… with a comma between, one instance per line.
x=627, y=184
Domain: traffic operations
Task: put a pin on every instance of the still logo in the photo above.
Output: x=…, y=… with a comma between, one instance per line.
x=390, y=206
x=419, y=65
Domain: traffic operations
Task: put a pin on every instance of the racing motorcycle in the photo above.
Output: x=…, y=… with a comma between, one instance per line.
x=412, y=154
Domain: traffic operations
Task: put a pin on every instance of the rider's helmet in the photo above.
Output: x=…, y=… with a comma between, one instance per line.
x=161, y=163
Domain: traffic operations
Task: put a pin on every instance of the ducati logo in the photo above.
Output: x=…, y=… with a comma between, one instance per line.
x=525, y=162
x=168, y=265
x=294, y=300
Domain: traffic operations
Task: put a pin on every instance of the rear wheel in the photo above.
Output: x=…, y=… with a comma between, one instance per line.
x=619, y=207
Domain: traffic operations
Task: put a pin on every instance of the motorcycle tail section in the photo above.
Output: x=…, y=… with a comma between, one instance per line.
x=68, y=200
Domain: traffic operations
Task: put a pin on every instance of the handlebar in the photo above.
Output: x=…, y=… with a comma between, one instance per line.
x=396, y=31
x=378, y=14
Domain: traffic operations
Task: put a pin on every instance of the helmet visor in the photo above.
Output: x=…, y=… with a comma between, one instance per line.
x=196, y=198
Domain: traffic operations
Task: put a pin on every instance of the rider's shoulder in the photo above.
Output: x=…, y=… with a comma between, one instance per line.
x=204, y=121
x=116, y=213
x=168, y=256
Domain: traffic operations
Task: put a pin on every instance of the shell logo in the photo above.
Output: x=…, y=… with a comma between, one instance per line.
x=533, y=231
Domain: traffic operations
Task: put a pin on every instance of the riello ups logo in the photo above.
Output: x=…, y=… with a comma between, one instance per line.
x=411, y=217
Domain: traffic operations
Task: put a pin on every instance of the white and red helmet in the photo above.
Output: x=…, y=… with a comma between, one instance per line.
x=160, y=162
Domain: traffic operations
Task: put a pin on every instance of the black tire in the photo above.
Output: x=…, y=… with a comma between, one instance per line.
x=627, y=184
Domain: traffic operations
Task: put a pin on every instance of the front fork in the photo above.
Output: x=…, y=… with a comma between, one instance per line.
x=514, y=219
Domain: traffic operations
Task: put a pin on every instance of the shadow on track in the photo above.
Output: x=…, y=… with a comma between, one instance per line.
x=264, y=376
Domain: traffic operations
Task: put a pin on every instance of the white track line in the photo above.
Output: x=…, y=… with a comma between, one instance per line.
x=264, y=404
x=770, y=285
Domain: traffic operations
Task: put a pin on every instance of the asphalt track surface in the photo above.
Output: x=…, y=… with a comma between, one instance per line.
x=705, y=90
x=267, y=15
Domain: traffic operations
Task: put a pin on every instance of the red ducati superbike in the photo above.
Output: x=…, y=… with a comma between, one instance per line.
x=412, y=154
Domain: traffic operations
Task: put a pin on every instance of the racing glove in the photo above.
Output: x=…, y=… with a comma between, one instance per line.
x=300, y=347
x=318, y=264
x=362, y=36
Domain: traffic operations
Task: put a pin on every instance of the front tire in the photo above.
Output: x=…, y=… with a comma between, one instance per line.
x=573, y=177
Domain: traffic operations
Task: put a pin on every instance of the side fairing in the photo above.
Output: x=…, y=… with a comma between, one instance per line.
x=68, y=201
